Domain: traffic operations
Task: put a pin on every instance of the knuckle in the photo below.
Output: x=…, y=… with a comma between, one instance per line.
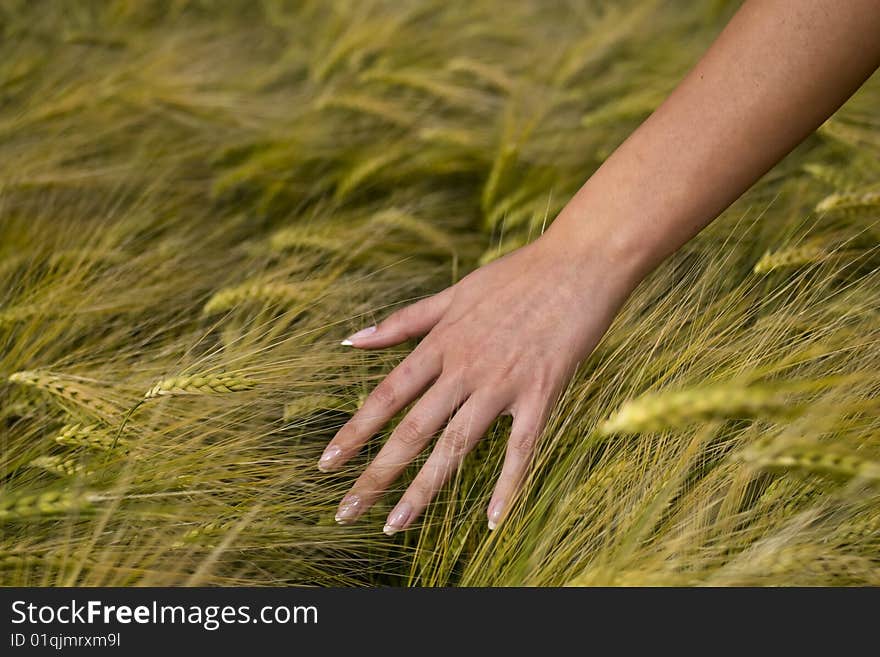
x=456, y=442
x=507, y=370
x=394, y=321
x=401, y=319
x=409, y=432
x=370, y=480
x=346, y=435
x=523, y=444
x=420, y=491
x=352, y=432
x=384, y=394
x=544, y=384
x=404, y=370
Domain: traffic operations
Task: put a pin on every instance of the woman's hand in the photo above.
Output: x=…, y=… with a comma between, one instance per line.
x=507, y=338
x=504, y=340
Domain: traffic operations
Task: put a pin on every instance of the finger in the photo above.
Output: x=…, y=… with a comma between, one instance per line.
x=407, y=440
x=410, y=322
x=461, y=434
x=528, y=423
x=403, y=384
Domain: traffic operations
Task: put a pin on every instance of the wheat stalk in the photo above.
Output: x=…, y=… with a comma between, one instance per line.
x=369, y=106
x=449, y=93
x=449, y=135
x=492, y=75
x=507, y=246
x=311, y=404
x=634, y=106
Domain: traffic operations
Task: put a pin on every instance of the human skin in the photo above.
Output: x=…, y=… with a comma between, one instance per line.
x=507, y=338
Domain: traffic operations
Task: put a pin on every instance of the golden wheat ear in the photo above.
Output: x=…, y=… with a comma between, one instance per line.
x=210, y=384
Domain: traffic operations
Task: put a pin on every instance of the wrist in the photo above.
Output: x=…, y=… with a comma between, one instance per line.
x=599, y=242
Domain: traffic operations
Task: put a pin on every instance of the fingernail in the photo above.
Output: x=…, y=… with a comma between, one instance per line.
x=328, y=458
x=348, y=509
x=349, y=341
x=495, y=511
x=397, y=519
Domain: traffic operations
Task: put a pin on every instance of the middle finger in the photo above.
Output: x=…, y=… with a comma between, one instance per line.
x=408, y=439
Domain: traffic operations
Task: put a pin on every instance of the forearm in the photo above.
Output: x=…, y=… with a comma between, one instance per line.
x=776, y=72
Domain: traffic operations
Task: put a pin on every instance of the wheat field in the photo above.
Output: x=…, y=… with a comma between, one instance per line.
x=200, y=199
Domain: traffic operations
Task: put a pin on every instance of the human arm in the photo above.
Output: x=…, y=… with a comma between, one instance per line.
x=508, y=337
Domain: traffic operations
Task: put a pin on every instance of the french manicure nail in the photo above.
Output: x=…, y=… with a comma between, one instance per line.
x=328, y=458
x=495, y=511
x=349, y=341
x=348, y=509
x=397, y=519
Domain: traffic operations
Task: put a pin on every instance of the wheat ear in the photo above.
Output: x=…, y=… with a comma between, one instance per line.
x=15, y=507
x=850, y=202
x=791, y=257
x=64, y=387
x=811, y=457
x=298, y=237
x=88, y=435
x=212, y=529
x=201, y=385
x=63, y=466
x=665, y=410
x=829, y=175
x=267, y=293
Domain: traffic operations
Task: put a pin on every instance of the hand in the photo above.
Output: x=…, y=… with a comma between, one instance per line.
x=506, y=339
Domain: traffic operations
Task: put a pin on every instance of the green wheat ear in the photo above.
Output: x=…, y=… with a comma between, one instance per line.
x=830, y=176
x=93, y=436
x=791, y=257
x=64, y=387
x=199, y=534
x=306, y=237
x=278, y=294
x=850, y=202
x=15, y=314
x=196, y=384
x=48, y=503
x=63, y=466
x=667, y=410
x=811, y=457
